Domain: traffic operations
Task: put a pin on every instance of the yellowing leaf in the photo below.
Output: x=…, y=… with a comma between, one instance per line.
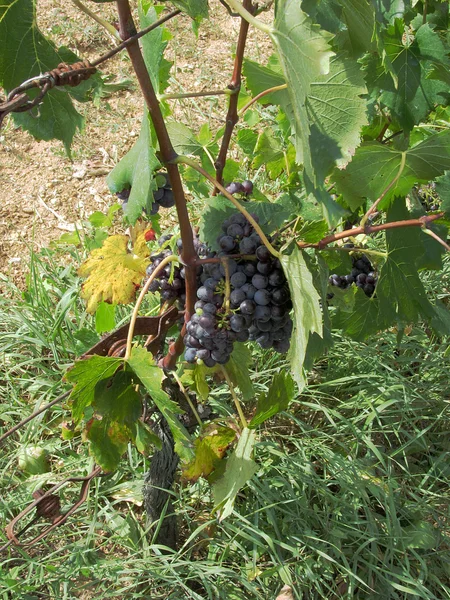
x=209, y=449
x=113, y=273
x=137, y=234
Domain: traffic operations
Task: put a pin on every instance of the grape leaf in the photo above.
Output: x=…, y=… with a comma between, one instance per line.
x=85, y=375
x=105, y=317
x=271, y=216
x=304, y=53
x=151, y=377
x=240, y=467
x=199, y=380
x=113, y=274
x=412, y=58
x=317, y=344
x=359, y=17
x=210, y=447
x=136, y=169
x=27, y=53
x=144, y=437
x=375, y=166
x=238, y=370
x=277, y=398
x=307, y=311
x=260, y=78
x=117, y=407
x=401, y=294
x=183, y=139
x=313, y=231
x=363, y=320
x=196, y=9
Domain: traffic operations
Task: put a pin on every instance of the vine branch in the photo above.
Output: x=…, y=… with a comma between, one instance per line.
x=235, y=85
x=168, y=155
x=421, y=222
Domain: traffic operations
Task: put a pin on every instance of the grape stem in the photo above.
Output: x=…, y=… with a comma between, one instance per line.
x=232, y=116
x=188, y=400
x=144, y=290
x=276, y=88
x=436, y=237
x=235, y=398
x=421, y=222
x=355, y=249
x=191, y=163
x=226, y=267
x=245, y=14
x=108, y=26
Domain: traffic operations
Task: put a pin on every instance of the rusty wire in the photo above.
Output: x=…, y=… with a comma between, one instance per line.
x=64, y=74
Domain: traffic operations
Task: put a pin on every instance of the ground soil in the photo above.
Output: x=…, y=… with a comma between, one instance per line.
x=46, y=193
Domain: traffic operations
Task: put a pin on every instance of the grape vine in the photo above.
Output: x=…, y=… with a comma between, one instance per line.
x=337, y=202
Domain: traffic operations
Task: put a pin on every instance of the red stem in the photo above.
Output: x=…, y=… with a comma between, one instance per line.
x=167, y=152
x=421, y=222
x=232, y=115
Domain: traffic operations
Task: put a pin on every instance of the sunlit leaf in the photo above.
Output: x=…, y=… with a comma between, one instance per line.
x=210, y=447
x=277, y=398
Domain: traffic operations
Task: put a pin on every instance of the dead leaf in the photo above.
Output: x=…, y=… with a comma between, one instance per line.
x=113, y=273
x=285, y=593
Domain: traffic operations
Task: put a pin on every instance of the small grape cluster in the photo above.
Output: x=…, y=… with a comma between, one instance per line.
x=245, y=188
x=256, y=308
x=362, y=275
x=170, y=283
x=162, y=196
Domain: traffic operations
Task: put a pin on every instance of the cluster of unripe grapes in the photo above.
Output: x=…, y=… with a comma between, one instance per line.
x=162, y=197
x=362, y=275
x=238, y=298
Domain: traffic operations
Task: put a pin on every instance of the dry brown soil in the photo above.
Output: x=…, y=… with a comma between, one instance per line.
x=44, y=193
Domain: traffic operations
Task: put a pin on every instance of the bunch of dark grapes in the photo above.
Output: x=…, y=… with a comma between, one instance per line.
x=258, y=304
x=170, y=283
x=362, y=275
x=162, y=197
x=245, y=188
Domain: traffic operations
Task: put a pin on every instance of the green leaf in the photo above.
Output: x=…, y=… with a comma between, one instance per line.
x=261, y=78
x=304, y=54
x=209, y=449
x=27, y=53
x=153, y=46
x=246, y=139
x=359, y=17
x=199, y=380
x=105, y=317
x=271, y=216
x=196, y=9
x=269, y=152
x=151, y=377
x=421, y=535
x=117, y=407
x=307, y=311
x=375, y=166
x=363, y=320
x=135, y=170
x=183, y=139
x=312, y=232
x=443, y=189
x=85, y=375
x=108, y=443
x=280, y=393
x=412, y=58
x=144, y=438
x=240, y=467
x=238, y=370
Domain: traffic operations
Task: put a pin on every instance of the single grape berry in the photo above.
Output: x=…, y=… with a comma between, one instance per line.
x=262, y=254
x=259, y=281
x=227, y=243
x=238, y=279
x=234, y=188
x=247, y=186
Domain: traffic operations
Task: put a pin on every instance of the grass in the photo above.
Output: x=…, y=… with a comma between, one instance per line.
x=350, y=499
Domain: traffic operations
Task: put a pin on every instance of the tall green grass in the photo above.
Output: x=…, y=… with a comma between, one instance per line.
x=351, y=498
